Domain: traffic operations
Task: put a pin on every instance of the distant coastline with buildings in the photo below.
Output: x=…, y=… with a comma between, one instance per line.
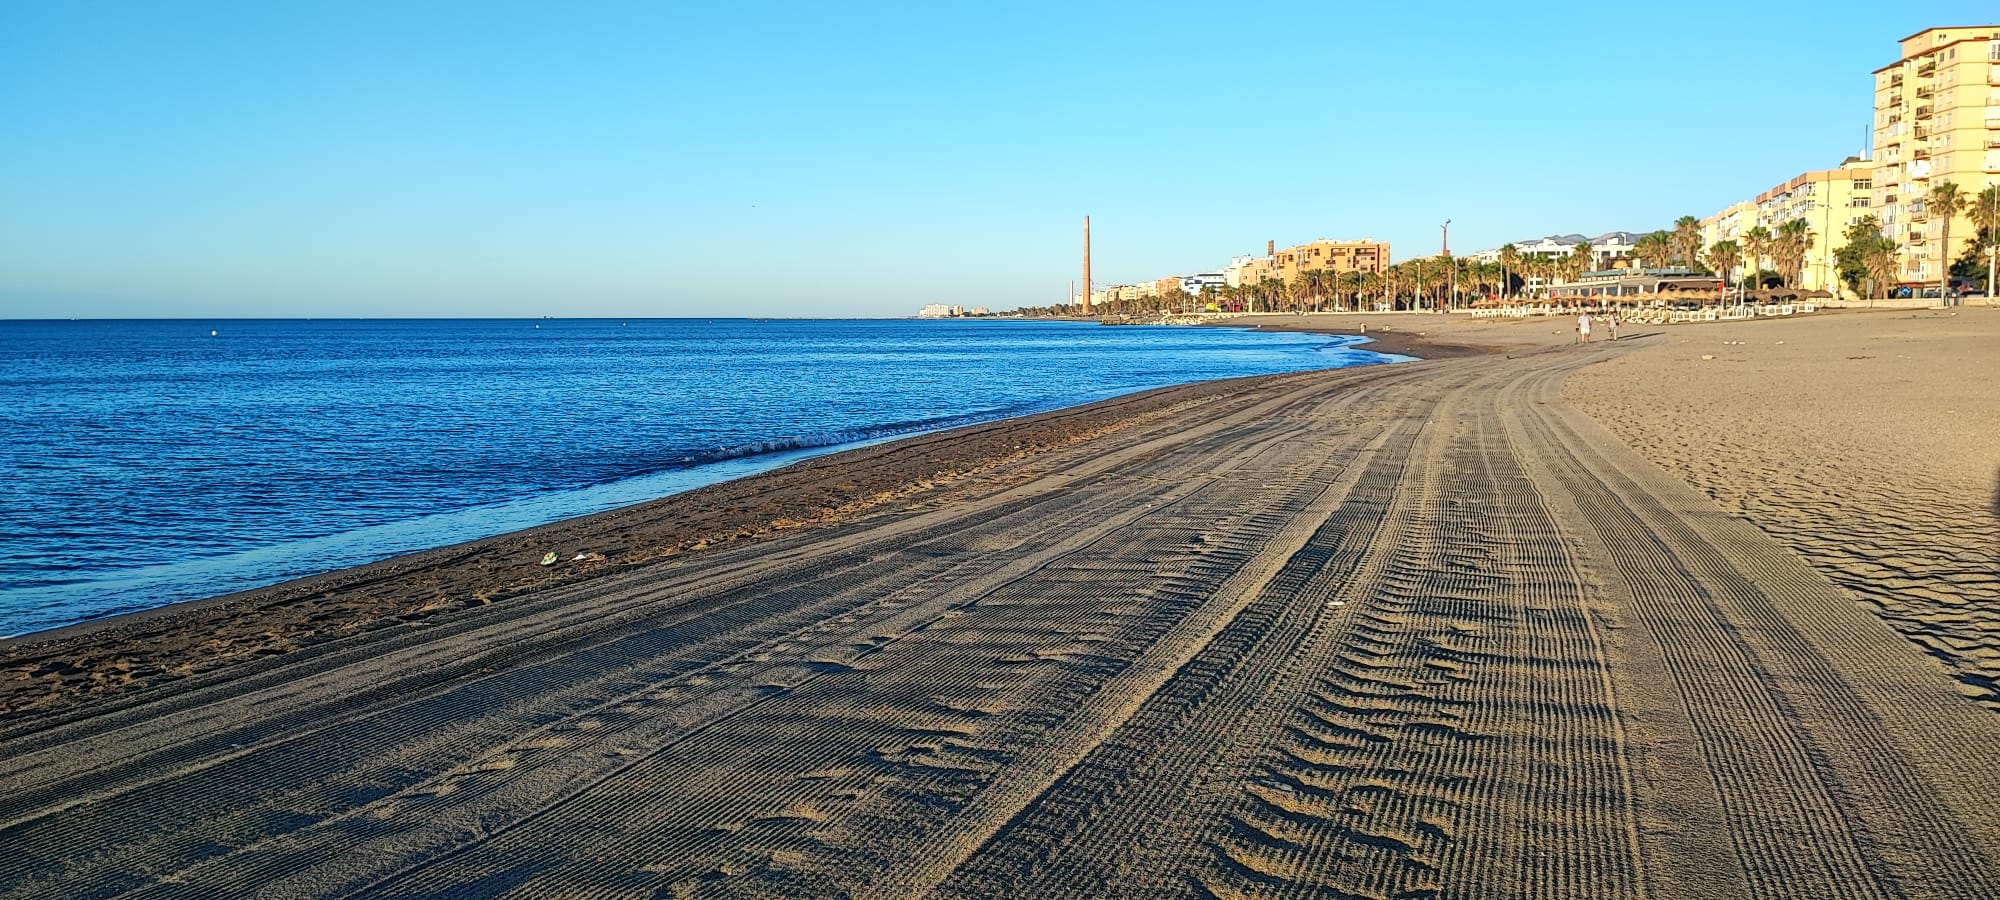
x=1916, y=215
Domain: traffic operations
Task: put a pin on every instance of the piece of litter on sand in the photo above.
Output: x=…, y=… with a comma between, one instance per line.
x=587, y=556
x=1333, y=603
x=549, y=559
x=1707, y=356
x=1781, y=342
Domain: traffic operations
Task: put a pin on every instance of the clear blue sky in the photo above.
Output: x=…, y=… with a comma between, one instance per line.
x=755, y=159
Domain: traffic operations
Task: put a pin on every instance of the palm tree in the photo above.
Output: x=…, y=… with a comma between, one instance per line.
x=1789, y=251
x=1654, y=250
x=1986, y=212
x=1756, y=245
x=1687, y=241
x=1510, y=262
x=1723, y=256
x=1305, y=284
x=1274, y=293
x=1578, y=261
x=1347, y=283
x=1535, y=267
x=1880, y=260
x=1946, y=202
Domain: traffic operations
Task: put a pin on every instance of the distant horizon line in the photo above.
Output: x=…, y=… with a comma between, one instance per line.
x=487, y=318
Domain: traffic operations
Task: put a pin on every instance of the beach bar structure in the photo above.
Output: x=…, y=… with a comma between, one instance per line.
x=1637, y=283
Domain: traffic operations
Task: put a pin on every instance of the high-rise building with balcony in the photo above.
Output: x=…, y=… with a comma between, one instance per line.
x=1937, y=119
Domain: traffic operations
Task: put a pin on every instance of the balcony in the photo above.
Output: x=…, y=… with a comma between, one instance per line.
x=1925, y=92
x=1927, y=69
x=1922, y=132
x=1923, y=112
x=1896, y=80
x=1921, y=153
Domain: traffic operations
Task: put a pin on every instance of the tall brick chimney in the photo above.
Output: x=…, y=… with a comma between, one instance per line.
x=1086, y=265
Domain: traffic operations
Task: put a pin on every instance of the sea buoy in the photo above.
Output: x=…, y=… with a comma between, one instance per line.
x=212, y=332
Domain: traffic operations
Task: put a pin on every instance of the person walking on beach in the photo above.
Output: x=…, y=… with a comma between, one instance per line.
x=1612, y=324
x=1583, y=328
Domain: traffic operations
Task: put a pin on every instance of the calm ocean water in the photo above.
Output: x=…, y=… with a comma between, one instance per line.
x=149, y=462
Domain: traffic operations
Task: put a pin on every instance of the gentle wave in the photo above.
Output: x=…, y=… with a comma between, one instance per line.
x=155, y=464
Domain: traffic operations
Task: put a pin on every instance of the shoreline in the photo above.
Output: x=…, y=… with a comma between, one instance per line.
x=109, y=655
x=104, y=585
x=420, y=584
x=1415, y=618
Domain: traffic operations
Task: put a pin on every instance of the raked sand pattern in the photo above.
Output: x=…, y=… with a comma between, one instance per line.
x=1405, y=632
x=1869, y=443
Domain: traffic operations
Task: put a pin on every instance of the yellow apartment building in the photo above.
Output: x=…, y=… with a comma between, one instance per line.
x=1337, y=256
x=1828, y=200
x=1937, y=119
x=1727, y=224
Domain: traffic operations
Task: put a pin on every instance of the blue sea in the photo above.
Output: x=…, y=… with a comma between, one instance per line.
x=149, y=462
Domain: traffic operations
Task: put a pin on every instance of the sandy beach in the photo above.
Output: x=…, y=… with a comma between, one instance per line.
x=1708, y=612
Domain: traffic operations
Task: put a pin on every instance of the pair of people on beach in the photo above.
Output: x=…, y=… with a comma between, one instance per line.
x=1583, y=327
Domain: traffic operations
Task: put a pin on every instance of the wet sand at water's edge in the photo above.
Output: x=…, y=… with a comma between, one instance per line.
x=1549, y=621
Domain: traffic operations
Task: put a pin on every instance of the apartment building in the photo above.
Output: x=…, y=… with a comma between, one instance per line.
x=1728, y=224
x=1828, y=201
x=1610, y=250
x=1937, y=119
x=1335, y=256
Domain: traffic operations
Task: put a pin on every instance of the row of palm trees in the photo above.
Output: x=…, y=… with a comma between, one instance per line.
x=1947, y=201
x=1445, y=282
x=1871, y=252
x=1868, y=248
x=1425, y=283
x=1785, y=248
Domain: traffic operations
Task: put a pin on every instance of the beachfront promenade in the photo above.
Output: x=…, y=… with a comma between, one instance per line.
x=1404, y=631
